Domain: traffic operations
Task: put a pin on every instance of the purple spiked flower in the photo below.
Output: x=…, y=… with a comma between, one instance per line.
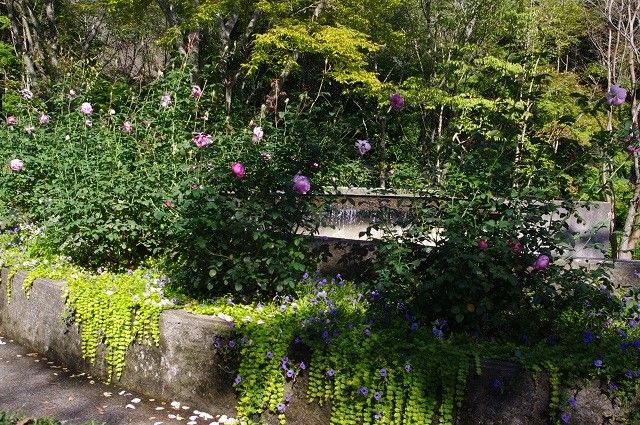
x=301, y=184
x=396, y=101
x=542, y=262
x=616, y=96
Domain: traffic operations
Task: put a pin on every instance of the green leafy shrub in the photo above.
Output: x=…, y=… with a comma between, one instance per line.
x=488, y=263
x=149, y=174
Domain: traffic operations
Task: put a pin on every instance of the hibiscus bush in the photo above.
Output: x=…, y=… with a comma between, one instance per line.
x=491, y=263
x=160, y=173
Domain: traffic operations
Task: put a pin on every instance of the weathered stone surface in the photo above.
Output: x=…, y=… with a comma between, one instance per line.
x=505, y=394
x=184, y=367
x=595, y=406
x=622, y=273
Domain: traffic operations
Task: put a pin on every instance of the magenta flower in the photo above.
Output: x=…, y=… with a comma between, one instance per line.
x=301, y=184
x=483, y=244
x=127, y=127
x=258, y=133
x=516, y=246
x=26, y=94
x=86, y=108
x=238, y=169
x=16, y=164
x=165, y=100
x=363, y=146
x=616, y=95
x=396, y=101
x=11, y=120
x=542, y=262
x=202, y=139
x=44, y=119
x=168, y=203
x=196, y=91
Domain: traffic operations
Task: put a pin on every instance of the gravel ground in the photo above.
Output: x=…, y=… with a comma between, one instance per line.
x=35, y=386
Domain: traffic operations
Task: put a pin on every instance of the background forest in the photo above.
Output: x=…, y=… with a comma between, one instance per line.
x=488, y=96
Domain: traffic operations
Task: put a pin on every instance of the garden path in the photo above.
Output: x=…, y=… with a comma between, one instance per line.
x=32, y=385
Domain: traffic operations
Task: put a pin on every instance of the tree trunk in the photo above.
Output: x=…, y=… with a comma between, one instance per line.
x=630, y=236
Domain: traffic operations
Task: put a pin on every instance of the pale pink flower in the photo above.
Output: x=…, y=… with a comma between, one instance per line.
x=168, y=203
x=196, y=91
x=26, y=94
x=44, y=119
x=29, y=129
x=88, y=123
x=11, y=120
x=127, y=127
x=72, y=94
x=363, y=146
x=112, y=111
x=238, y=169
x=258, y=133
x=165, y=100
x=16, y=164
x=201, y=139
x=86, y=108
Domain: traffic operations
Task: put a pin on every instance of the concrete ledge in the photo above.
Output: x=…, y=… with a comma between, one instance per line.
x=186, y=367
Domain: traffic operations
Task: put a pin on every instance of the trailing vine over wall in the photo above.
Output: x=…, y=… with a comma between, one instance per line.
x=110, y=309
x=115, y=310
x=371, y=367
x=376, y=364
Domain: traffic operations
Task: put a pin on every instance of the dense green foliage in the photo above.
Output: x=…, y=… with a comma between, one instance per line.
x=474, y=261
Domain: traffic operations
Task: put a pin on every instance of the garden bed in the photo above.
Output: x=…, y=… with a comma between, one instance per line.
x=186, y=367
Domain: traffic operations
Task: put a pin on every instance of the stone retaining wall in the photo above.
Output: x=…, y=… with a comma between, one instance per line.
x=186, y=368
